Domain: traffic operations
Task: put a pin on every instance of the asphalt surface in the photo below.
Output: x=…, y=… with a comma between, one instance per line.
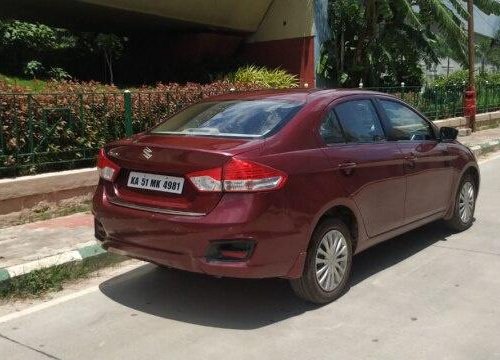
x=428, y=294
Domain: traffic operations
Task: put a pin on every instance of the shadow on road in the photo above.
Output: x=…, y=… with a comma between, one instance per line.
x=245, y=304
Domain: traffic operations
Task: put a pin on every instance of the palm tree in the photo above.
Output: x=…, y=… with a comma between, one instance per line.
x=459, y=16
x=449, y=17
x=371, y=39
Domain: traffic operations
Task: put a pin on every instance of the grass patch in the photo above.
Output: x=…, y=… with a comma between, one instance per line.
x=39, y=282
x=30, y=84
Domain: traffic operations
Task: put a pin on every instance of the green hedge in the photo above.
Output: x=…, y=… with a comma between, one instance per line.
x=63, y=126
x=461, y=78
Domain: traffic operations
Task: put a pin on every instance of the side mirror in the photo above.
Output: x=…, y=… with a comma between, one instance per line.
x=448, y=133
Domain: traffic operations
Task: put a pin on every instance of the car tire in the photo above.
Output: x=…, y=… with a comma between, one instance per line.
x=312, y=286
x=464, y=205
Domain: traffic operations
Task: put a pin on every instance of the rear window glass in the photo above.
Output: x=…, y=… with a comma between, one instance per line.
x=238, y=118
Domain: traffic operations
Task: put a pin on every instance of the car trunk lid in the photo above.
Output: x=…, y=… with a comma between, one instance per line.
x=173, y=156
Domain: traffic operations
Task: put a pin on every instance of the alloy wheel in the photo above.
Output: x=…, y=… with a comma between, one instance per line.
x=466, y=202
x=331, y=260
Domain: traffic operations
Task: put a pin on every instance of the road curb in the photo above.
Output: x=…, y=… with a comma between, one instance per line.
x=71, y=256
x=486, y=147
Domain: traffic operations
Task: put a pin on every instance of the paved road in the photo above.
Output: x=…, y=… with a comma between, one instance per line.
x=427, y=295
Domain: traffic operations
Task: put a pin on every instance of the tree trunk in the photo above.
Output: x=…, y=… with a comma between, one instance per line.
x=365, y=40
x=110, y=67
x=342, y=51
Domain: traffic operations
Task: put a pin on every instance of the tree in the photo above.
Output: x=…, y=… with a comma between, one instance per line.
x=35, y=36
x=31, y=44
x=112, y=48
x=377, y=43
x=484, y=47
x=374, y=40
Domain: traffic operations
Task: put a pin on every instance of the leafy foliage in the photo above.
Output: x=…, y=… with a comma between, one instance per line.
x=460, y=78
x=37, y=37
x=54, y=49
x=488, y=51
x=57, y=73
x=377, y=43
x=380, y=42
x=264, y=78
x=33, y=68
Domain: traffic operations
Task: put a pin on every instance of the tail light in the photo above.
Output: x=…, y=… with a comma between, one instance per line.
x=238, y=176
x=108, y=170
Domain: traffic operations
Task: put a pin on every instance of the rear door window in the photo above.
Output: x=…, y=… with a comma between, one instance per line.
x=233, y=118
x=359, y=121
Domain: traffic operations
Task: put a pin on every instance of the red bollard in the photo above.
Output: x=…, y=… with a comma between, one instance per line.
x=470, y=107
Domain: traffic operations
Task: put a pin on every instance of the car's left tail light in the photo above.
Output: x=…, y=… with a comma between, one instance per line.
x=108, y=170
x=238, y=176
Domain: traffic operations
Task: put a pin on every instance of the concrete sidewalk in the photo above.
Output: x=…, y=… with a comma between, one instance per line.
x=29, y=247
x=483, y=141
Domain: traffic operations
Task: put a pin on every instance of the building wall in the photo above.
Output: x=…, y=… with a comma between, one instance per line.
x=294, y=55
x=486, y=25
x=285, y=38
x=285, y=19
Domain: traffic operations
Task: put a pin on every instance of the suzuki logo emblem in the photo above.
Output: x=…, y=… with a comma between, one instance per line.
x=147, y=153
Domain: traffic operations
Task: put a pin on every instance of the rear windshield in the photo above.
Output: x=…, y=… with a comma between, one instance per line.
x=233, y=118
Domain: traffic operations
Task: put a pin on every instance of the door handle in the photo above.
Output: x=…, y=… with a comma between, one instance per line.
x=411, y=158
x=347, y=167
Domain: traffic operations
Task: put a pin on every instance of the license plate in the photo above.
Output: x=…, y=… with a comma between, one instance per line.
x=155, y=182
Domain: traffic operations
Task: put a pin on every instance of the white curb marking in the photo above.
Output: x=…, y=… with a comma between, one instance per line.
x=53, y=260
x=489, y=159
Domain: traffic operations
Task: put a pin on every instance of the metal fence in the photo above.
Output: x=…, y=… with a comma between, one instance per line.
x=444, y=102
x=41, y=132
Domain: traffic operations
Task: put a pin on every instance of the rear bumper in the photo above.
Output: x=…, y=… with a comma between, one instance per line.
x=243, y=269
x=182, y=242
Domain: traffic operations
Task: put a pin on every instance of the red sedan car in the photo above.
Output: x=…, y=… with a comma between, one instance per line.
x=286, y=184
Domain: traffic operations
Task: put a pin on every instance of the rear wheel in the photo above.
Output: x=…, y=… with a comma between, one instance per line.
x=328, y=263
x=465, y=204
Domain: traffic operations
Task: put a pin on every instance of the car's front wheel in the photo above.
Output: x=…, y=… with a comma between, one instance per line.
x=328, y=263
x=464, y=206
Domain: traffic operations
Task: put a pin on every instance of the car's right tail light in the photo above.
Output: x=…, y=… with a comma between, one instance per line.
x=238, y=176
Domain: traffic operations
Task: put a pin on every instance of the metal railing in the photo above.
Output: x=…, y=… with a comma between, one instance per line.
x=444, y=102
x=41, y=132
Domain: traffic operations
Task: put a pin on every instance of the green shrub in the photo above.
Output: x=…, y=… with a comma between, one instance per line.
x=263, y=77
x=57, y=73
x=33, y=69
x=460, y=79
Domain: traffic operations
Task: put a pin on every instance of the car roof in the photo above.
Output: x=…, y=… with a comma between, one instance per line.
x=305, y=95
